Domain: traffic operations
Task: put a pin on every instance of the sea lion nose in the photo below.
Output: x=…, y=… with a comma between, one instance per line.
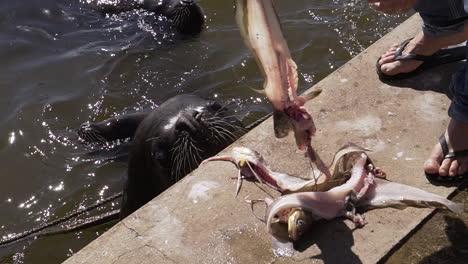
x=190, y=121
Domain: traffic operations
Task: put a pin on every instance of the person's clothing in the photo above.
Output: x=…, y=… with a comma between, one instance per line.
x=459, y=107
x=442, y=18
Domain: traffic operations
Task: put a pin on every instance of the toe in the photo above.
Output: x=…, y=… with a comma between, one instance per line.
x=453, y=170
x=391, y=68
x=462, y=165
x=386, y=59
x=432, y=165
x=395, y=46
x=445, y=167
x=462, y=168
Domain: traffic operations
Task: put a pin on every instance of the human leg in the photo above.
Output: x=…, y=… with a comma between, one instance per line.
x=443, y=25
x=448, y=167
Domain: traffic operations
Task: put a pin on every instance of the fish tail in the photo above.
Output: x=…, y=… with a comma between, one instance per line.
x=312, y=94
x=457, y=208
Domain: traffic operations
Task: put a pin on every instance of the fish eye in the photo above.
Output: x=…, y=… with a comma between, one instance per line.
x=300, y=223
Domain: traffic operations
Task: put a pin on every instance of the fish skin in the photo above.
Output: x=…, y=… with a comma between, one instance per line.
x=261, y=30
x=391, y=194
x=369, y=193
x=322, y=205
x=246, y=159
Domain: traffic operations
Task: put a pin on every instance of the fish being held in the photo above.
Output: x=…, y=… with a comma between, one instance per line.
x=261, y=30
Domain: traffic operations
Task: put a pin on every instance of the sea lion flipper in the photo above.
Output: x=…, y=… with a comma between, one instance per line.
x=115, y=128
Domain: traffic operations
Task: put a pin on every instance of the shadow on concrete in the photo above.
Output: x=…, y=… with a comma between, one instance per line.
x=454, y=183
x=457, y=252
x=436, y=79
x=334, y=239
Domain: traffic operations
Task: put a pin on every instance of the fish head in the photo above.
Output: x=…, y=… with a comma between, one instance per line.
x=299, y=222
x=242, y=155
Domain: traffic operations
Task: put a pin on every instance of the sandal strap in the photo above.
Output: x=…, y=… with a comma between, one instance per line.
x=399, y=56
x=411, y=56
x=461, y=152
x=402, y=47
x=443, y=144
x=446, y=153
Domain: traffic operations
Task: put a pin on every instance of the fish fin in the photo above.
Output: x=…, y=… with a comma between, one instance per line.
x=260, y=91
x=457, y=208
x=239, y=183
x=292, y=74
x=312, y=94
x=281, y=124
x=218, y=158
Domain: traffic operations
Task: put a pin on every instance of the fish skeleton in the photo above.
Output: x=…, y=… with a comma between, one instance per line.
x=362, y=190
x=252, y=165
x=356, y=183
x=261, y=30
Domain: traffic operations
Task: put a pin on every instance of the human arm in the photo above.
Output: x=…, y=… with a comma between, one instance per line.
x=392, y=6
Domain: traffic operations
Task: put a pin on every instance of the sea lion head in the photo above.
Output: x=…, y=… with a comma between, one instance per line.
x=186, y=16
x=191, y=130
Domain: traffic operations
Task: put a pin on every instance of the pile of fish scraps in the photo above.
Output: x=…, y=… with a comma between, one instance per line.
x=351, y=182
x=356, y=184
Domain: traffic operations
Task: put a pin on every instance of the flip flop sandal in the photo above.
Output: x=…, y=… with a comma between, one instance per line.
x=448, y=155
x=443, y=56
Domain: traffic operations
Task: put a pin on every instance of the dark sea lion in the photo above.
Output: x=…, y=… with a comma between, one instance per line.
x=167, y=143
x=186, y=16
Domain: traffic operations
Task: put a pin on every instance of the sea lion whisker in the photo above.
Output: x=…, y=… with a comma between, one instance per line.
x=231, y=116
x=229, y=124
x=214, y=133
x=177, y=162
x=95, y=137
x=223, y=135
x=152, y=138
x=226, y=132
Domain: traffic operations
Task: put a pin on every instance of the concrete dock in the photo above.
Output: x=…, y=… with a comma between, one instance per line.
x=199, y=220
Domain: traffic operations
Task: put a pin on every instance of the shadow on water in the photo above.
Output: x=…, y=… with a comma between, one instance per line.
x=457, y=252
x=441, y=239
x=334, y=239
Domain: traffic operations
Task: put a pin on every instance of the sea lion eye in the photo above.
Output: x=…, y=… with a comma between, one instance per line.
x=160, y=155
x=212, y=105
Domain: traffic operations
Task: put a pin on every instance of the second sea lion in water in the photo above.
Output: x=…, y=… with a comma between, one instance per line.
x=167, y=143
x=185, y=15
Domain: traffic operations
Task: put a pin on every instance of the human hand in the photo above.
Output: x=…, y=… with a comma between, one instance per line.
x=392, y=6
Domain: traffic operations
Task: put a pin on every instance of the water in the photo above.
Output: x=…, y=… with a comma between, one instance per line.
x=63, y=63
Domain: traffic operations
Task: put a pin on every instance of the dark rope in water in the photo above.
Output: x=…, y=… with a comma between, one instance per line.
x=95, y=220
x=58, y=221
x=258, y=121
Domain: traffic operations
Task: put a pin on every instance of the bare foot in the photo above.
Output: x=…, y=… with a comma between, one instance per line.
x=420, y=44
x=456, y=136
